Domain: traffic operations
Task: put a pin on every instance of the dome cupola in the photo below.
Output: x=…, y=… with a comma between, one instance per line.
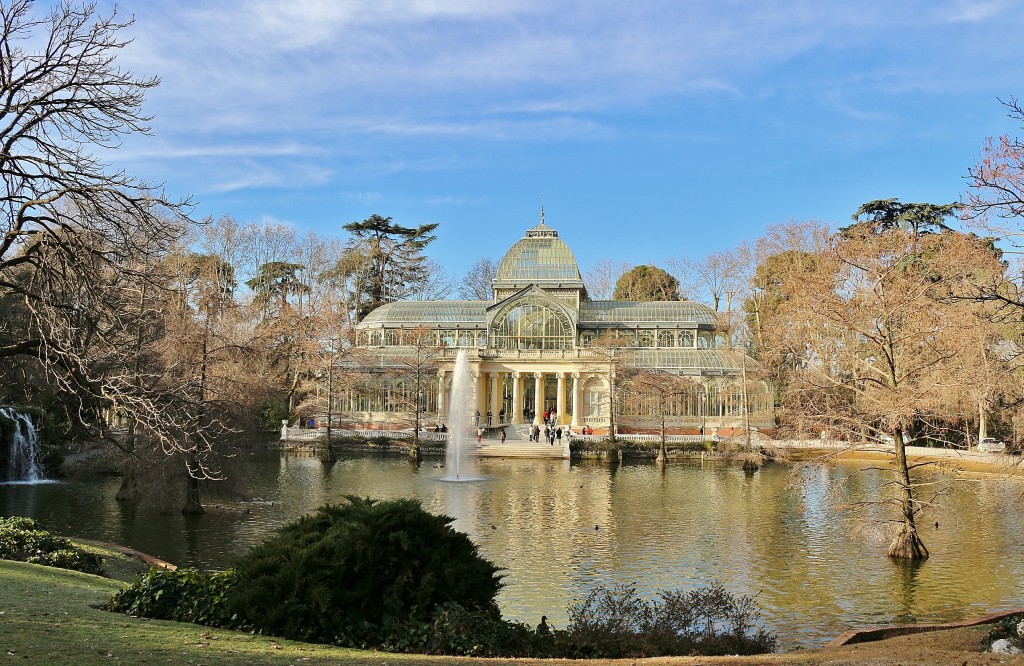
x=540, y=257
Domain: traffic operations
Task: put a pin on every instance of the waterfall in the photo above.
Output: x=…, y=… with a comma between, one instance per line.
x=23, y=459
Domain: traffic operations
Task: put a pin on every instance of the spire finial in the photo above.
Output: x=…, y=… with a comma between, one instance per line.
x=542, y=209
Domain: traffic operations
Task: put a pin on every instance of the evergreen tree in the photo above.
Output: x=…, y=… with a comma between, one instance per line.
x=646, y=283
x=392, y=260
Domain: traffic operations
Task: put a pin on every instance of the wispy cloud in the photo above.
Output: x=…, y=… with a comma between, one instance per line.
x=837, y=101
x=264, y=82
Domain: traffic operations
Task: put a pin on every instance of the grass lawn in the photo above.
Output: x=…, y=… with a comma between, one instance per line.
x=47, y=617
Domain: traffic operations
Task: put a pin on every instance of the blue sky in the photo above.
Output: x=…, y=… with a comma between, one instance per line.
x=653, y=130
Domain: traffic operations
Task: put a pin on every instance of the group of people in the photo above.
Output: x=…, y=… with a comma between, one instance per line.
x=440, y=427
x=551, y=433
x=490, y=417
x=550, y=416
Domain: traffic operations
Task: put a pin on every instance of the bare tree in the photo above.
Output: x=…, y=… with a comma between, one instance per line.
x=73, y=230
x=602, y=276
x=415, y=363
x=662, y=389
x=720, y=279
x=435, y=283
x=996, y=194
x=476, y=283
x=611, y=353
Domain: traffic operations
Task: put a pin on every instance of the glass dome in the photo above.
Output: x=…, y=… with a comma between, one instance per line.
x=540, y=256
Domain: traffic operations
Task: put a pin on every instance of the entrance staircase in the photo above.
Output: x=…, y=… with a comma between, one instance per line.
x=518, y=445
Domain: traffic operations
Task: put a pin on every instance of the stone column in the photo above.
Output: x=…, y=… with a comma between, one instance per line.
x=560, y=397
x=495, y=405
x=480, y=385
x=575, y=400
x=538, y=398
x=440, y=395
x=517, y=398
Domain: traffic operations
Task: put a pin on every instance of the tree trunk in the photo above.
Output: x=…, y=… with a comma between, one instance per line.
x=982, y=421
x=129, y=489
x=663, y=451
x=193, y=507
x=907, y=544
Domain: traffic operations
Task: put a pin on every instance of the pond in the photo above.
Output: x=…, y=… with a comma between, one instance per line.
x=558, y=529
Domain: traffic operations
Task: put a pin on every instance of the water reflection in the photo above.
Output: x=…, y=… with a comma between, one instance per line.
x=559, y=529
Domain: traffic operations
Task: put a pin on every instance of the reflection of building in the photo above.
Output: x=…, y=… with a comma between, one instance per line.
x=542, y=344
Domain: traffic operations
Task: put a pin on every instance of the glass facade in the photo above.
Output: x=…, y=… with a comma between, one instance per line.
x=541, y=343
x=529, y=325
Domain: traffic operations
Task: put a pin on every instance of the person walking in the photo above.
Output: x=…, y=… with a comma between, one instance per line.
x=502, y=435
x=558, y=436
x=479, y=434
x=478, y=418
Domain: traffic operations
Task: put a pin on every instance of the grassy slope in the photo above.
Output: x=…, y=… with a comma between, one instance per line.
x=46, y=618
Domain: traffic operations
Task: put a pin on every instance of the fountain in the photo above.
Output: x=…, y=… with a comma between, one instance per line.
x=459, y=461
x=22, y=460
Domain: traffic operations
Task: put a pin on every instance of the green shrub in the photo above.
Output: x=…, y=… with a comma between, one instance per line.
x=185, y=595
x=24, y=540
x=345, y=572
x=614, y=623
x=455, y=630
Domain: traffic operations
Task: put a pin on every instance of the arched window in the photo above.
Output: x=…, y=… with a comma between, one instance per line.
x=526, y=325
x=666, y=339
x=391, y=337
x=587, y=338
x=645, y=339
x=686, y=339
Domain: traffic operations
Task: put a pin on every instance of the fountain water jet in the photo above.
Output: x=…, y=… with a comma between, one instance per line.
x=459, y=461
x=23, y=458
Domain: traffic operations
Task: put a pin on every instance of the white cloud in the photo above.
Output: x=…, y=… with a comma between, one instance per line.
x=303, y=80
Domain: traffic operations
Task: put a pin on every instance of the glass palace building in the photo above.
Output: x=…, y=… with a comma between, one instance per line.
x=542, y=344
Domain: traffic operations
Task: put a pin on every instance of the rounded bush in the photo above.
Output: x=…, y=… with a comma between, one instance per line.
x=23, y=539
x=348, y=573
x=184, y=595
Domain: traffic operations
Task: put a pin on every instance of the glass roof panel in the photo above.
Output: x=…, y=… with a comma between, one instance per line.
x=693, y=360
x=654, y=312
x=428, y=313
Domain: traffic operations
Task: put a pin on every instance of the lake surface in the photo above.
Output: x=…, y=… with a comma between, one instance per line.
x=558, y=529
